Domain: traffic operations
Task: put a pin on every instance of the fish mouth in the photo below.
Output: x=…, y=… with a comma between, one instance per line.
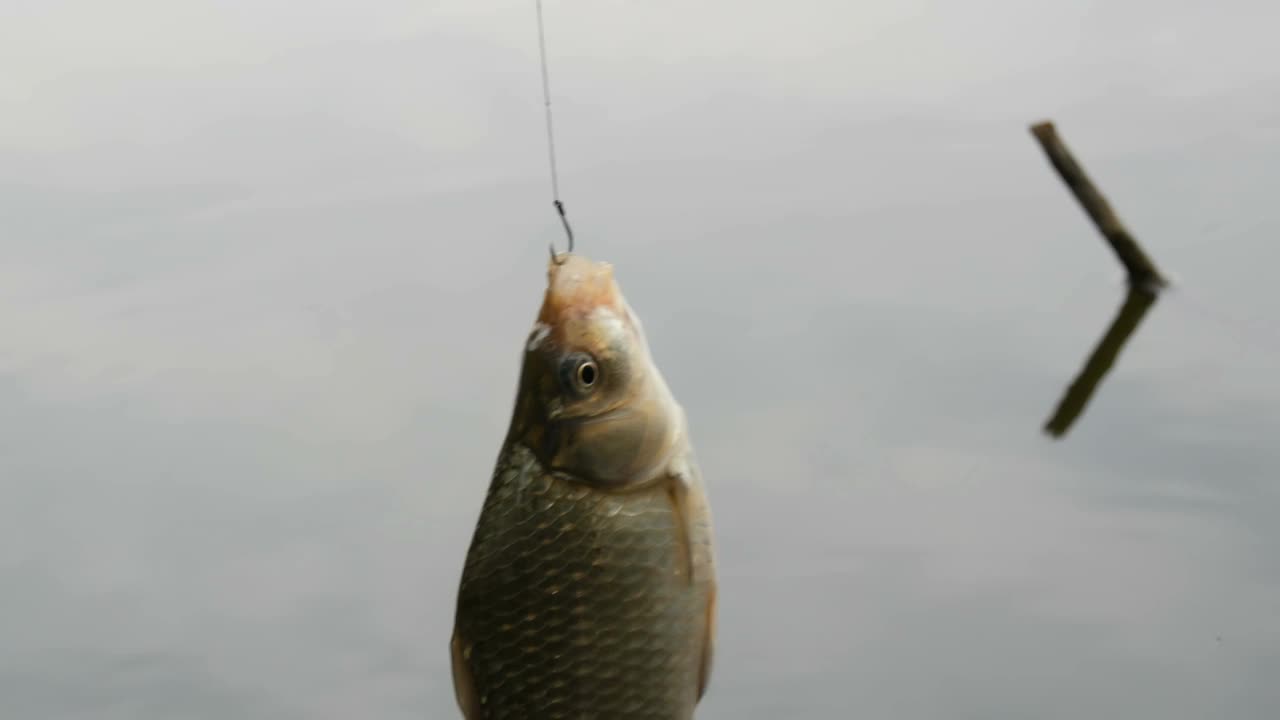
x=577, y=285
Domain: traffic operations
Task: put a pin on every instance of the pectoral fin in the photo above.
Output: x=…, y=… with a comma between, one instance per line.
x=693, y=543
x=708, y=641
x=678, y=492
x=463, y=685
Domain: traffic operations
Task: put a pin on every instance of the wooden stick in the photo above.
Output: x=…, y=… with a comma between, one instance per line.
x=1142, y=272
x=1136, y=304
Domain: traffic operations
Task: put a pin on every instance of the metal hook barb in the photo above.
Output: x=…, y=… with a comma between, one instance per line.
x=564, y=220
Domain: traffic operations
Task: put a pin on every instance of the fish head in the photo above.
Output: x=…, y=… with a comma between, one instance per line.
x=592, y=403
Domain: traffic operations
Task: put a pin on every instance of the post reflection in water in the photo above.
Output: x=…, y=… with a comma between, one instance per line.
x=1136, y=304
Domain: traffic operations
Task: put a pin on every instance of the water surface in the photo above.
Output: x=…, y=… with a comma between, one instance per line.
x=267, y=273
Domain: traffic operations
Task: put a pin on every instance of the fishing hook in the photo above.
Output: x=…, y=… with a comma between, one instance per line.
x=564, y=220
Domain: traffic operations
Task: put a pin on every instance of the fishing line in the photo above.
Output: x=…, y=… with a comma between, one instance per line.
x=551, y=138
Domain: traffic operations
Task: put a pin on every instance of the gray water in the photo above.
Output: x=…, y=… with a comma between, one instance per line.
x=267, y=270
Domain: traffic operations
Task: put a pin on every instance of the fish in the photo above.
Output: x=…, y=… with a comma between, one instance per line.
x=589, y=588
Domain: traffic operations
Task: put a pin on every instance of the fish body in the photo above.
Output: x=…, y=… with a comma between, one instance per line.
x=589, y=588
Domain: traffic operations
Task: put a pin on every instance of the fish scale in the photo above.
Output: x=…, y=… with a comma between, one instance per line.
x=552, y=564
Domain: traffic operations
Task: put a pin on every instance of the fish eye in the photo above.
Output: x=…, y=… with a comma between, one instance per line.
x=587, y=374
x=580, y=372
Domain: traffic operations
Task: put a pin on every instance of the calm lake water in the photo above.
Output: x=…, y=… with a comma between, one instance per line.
x=266, y=272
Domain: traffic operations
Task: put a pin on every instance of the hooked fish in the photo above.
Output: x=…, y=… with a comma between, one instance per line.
x=589, y=588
